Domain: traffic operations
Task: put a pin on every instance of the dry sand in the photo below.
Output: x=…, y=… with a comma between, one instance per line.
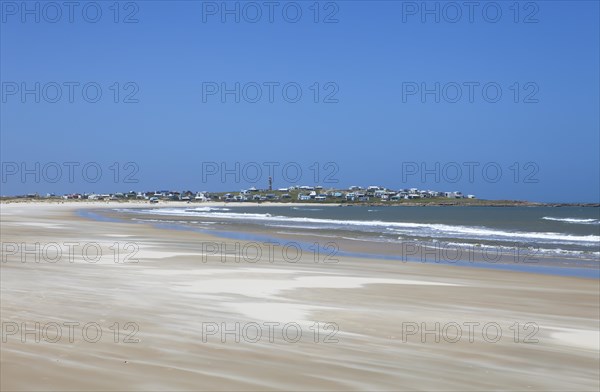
x=371, y=315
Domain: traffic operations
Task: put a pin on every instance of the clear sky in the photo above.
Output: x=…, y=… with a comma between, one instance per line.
x=361, y=66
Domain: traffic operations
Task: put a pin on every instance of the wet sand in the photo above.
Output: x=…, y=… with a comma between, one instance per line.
x=371, y=315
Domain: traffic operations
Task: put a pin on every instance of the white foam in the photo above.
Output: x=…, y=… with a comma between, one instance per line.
x=408, y=228
x=463, y=245
x=574, y=220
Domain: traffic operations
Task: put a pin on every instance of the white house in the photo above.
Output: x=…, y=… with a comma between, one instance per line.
x=454, y=195
x=200, y=196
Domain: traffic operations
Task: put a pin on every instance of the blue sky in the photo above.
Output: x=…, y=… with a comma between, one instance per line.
x=375, y=128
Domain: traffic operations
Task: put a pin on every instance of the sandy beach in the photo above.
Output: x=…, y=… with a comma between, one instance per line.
x=102, y=305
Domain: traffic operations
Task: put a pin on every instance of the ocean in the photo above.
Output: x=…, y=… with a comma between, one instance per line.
x=564, y=232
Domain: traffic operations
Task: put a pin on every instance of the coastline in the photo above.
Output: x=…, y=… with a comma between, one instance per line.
x=517, y=260
x=176, y=286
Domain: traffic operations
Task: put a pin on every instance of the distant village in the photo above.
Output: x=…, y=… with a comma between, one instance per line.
x=302, y=193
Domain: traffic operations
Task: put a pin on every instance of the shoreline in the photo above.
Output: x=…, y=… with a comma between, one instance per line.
x=546, y=264
x=176, y=287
